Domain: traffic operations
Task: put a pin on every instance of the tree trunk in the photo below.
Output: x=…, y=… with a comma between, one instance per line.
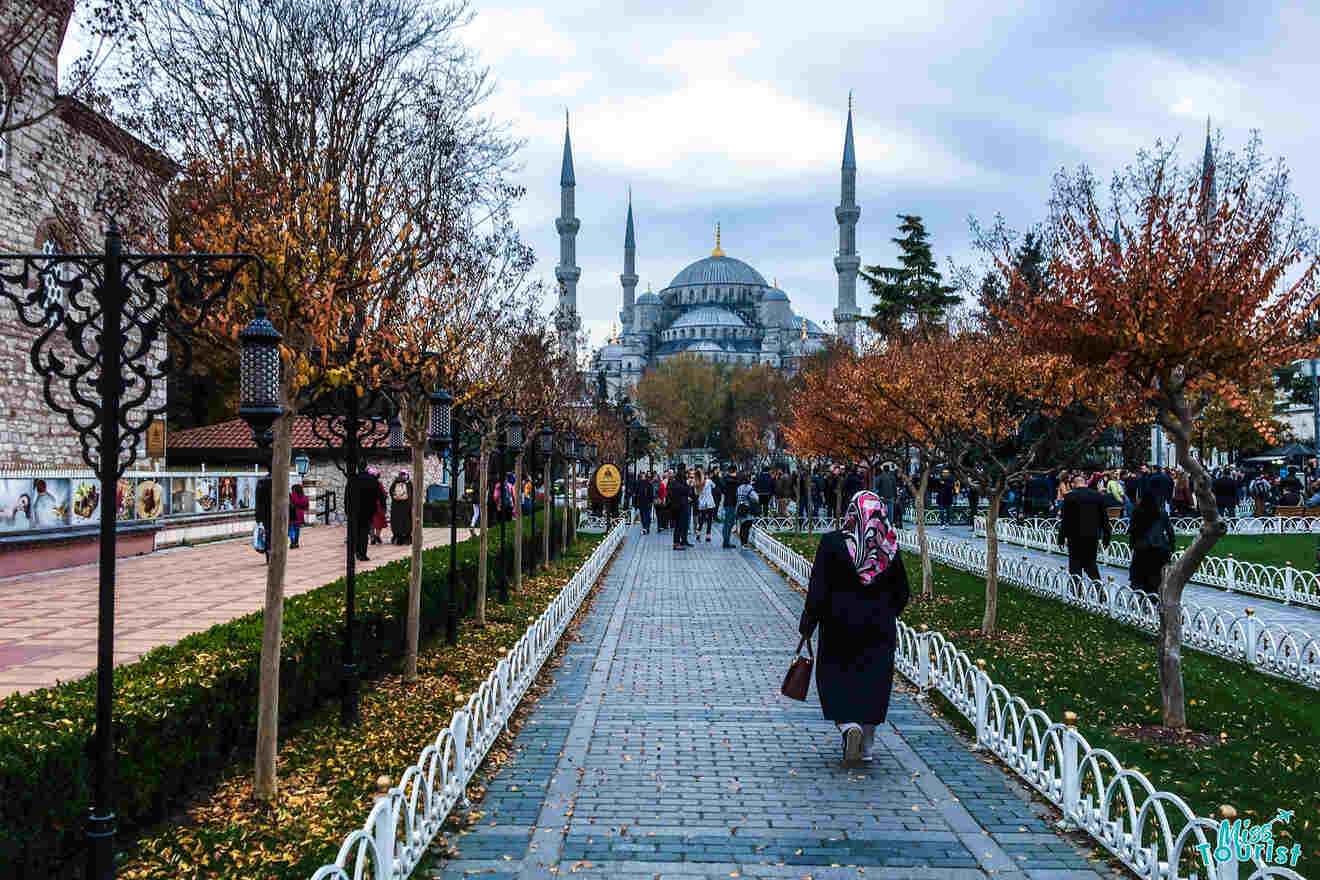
x=483, y=560
x=265, y=784
x=918, y=491
x=517, y=521
x=990, y=621
x=415, y=570
x=1179, y=423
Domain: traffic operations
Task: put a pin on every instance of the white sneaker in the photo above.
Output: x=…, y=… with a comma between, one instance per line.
x=868, y=742
x=852, y=742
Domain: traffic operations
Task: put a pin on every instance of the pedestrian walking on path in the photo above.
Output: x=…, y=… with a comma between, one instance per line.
x=1151, y=534
x=298, y=505
x=705, y=504
x=858, y=588
x=1084, y=524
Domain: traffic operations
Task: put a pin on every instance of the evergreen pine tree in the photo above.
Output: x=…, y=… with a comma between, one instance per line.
x=995, y=298
x=912, y=292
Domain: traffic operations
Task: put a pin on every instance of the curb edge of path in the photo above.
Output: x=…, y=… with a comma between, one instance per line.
x=547, y=842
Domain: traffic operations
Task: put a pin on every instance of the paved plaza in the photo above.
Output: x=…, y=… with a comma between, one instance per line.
x=663, y=749
x=1301, y=617
x=48, y=620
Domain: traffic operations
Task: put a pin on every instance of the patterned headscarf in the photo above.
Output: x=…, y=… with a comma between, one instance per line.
x=872, y=542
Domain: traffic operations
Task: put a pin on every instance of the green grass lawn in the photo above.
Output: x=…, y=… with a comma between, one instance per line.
x=1057, y=658
x=1265, y=549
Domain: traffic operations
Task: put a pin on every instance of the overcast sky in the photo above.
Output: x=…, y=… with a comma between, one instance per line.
x=734, y=112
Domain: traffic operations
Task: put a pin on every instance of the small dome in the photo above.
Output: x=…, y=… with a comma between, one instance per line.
x=708, y=316
x=774, y=294
x=648, y=299
x=718, y=270
x=795, y=322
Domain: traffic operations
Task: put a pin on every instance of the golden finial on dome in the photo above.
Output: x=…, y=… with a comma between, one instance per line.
x=718, y=252
x=804, y=329
x=614, y=332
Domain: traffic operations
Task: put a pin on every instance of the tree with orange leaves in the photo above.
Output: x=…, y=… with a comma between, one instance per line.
x=839, y=413
x=1202, y=286
x=996, y=417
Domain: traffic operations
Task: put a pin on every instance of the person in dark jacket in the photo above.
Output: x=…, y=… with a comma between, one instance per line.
x=944, y=497
x=853, y=483
x=730, y=502
x=261, y=508
x=1226, y=493
x=1159, y=484
x=886, y=486
x=783, y=492
x=1151, y=534
x=679, y=495
x=765, y=490
x=1084, y=524
x=858, y=587
x=642, y=497
x=401, y=499
x=363, y=495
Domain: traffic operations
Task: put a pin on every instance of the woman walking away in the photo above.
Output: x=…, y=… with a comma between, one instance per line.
x=858, y=588
x=705, y=504
x=297, y=513
x=1151, y=533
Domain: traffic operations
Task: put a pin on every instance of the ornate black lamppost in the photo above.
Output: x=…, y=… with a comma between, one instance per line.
x=345, y=417
x=447, y=427
x=107, y=322
x=511, y=441
x=545, y=448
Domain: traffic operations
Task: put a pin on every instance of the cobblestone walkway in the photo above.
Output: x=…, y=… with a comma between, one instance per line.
x=663, y=749
x=1274, y=611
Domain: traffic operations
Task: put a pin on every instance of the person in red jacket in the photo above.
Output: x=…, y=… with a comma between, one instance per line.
x=297, y=513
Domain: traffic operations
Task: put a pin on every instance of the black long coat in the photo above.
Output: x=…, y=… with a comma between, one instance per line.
x=858, y=632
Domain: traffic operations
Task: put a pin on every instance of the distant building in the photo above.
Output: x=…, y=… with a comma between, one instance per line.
x=719, y=308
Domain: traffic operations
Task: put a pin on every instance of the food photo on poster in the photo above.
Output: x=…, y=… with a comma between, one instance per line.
x=125, y=496
x=228, y=493
x=150, y=499
x=86, y=501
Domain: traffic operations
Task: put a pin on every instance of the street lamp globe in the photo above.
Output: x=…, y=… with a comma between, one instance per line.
x=259, y=377
x=514, y=434
x=302, y=464
x=441, y=415
x=545, y=440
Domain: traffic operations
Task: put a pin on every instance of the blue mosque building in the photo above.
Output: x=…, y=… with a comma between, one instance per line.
x=719, y=309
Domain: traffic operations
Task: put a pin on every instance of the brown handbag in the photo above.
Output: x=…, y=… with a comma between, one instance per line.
x=798, y=678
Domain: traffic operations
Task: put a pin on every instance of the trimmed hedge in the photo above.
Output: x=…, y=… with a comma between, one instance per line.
x=185, y=712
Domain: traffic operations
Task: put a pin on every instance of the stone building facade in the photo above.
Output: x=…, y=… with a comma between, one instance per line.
x=51, y=142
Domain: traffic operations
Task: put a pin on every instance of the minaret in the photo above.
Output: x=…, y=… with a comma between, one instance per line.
x=1208, y=200
x=847, y=261
x=629, y=276
x=567, y=272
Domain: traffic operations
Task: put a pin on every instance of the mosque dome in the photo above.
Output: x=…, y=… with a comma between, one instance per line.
x=718, y=270
x=648, y=299
x=708, y=316
x=774, y=294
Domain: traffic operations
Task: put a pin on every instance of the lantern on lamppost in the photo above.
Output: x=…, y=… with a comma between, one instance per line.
x=259, y=377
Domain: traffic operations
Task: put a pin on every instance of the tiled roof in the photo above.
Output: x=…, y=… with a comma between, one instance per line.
x=235, y=434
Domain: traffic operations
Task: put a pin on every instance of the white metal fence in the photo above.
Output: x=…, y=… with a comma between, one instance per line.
x=1153, y=832
x=1284, y=583
x=404, y=821
x=1191, y=525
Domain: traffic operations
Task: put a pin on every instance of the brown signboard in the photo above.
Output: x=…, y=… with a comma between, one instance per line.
x=156, y=439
